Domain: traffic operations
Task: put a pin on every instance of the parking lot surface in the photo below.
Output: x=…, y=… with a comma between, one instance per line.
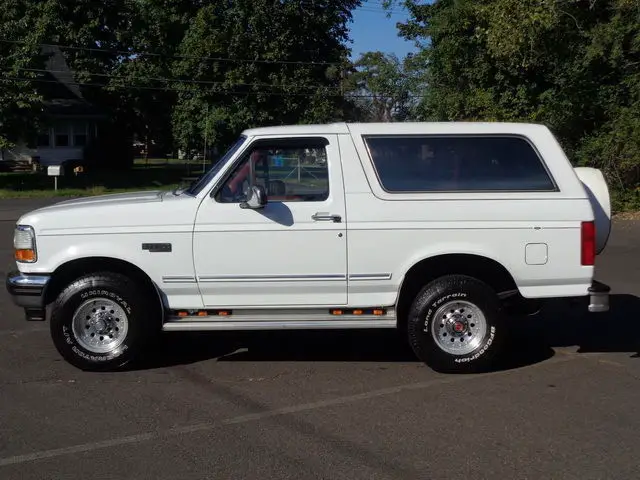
x=565, y=404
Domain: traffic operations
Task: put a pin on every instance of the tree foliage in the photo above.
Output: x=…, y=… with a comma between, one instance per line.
x=285, y=63
x=22, y=26
x=573, y=65
x=382, y=86
x=167, y=70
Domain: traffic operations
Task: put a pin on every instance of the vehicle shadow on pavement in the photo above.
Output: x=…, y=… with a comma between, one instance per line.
x=532, y=339
x=283, y=346
x=565, y=323
x=377, y=346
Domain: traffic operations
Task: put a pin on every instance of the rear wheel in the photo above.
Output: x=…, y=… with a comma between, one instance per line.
x=455, y=325
x=102, y=321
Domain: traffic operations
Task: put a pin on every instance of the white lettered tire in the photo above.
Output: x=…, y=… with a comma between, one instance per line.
x=455, y=325
x=101, y=321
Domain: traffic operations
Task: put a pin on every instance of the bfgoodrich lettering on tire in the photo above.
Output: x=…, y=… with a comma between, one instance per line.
x=455, y=324
x=100, y=320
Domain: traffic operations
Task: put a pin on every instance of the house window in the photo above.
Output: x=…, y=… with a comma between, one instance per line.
x=62, y=135
x=80, y=134
x=44, y=138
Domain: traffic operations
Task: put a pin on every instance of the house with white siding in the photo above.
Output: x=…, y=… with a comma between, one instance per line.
x=70, y=124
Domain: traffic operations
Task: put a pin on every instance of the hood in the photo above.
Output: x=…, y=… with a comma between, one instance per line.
x=111, y=199
x=120, y=209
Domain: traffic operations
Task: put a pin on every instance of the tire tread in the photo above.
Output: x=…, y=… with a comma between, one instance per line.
x=100, y=279
x=422, y=342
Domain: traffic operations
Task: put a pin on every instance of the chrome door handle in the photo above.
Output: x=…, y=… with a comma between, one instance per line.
x=326, y=217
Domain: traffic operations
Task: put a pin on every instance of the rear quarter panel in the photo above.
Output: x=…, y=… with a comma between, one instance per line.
x=388, y=233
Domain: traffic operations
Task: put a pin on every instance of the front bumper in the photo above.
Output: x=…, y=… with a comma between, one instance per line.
x=28, y=290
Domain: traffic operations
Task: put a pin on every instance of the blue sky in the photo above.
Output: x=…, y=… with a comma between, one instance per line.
x=372, y=30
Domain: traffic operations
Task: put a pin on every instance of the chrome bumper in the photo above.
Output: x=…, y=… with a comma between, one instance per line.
x=27, y=290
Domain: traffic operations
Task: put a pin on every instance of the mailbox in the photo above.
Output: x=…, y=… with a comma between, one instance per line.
x=55, y=170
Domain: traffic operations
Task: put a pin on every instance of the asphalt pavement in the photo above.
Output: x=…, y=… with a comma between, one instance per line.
x=565, y=404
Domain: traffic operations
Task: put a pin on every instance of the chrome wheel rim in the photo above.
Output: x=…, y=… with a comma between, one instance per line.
x=459, y=327
x=100, y=325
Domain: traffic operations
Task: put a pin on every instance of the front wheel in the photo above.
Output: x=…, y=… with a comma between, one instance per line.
x=100, y=321
x=455, y=325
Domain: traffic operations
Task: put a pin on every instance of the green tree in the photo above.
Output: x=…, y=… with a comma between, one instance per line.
x=284, y=63
x=384, y=87
x=162, y=68
x=573, y=65
x=22, y=26
x=124, y=53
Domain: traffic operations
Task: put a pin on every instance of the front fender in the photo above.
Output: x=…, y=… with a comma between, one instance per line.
x=53, y=252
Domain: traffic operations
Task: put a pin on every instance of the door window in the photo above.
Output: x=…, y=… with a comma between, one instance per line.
x=289, y=171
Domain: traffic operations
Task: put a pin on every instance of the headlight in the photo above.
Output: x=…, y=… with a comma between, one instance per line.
x=24, y=244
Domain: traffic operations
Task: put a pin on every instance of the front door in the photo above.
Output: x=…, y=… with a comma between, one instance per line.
x=293, y=251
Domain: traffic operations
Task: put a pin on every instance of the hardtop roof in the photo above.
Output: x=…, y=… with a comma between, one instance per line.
x=397, y=128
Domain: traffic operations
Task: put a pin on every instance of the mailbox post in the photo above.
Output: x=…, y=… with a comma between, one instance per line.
x=55, y=171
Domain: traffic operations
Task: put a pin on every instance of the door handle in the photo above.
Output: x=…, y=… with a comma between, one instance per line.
x=326, y=217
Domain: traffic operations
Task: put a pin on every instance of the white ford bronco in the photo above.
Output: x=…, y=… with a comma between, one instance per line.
x=446, y=231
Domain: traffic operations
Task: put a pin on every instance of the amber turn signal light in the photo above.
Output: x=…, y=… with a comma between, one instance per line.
x=25, y=255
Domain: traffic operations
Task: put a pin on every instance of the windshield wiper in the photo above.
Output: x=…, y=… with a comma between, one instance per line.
x=184, y=187
x=180, y=189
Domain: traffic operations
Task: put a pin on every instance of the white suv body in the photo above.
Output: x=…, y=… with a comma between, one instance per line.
x=324, y=226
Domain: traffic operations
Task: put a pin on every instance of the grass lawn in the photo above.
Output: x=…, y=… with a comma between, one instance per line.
x=152, y=175
x=140, y=177
x=168, y=161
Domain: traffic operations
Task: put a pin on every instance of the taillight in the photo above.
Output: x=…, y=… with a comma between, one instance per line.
x=588, y=243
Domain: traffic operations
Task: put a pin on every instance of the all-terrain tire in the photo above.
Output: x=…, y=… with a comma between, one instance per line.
x=455, y=325
x=102, y=321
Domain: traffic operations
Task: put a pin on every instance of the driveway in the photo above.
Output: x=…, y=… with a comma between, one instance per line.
x=334, y=405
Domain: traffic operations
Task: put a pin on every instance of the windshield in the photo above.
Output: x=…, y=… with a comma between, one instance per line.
x=197, y=186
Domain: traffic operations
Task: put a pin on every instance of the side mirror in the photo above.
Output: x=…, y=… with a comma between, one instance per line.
x=256, y=198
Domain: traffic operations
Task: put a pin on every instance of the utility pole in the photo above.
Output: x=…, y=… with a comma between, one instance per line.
x=206, y=126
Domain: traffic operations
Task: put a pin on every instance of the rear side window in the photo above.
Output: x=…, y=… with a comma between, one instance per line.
x=457, y=163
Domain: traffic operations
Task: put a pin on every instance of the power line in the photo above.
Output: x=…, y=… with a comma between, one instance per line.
x=176, y=80
x=380, y=10
x=320, y=90
x=367, y=6
x=193, y=57
x=170, y=89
